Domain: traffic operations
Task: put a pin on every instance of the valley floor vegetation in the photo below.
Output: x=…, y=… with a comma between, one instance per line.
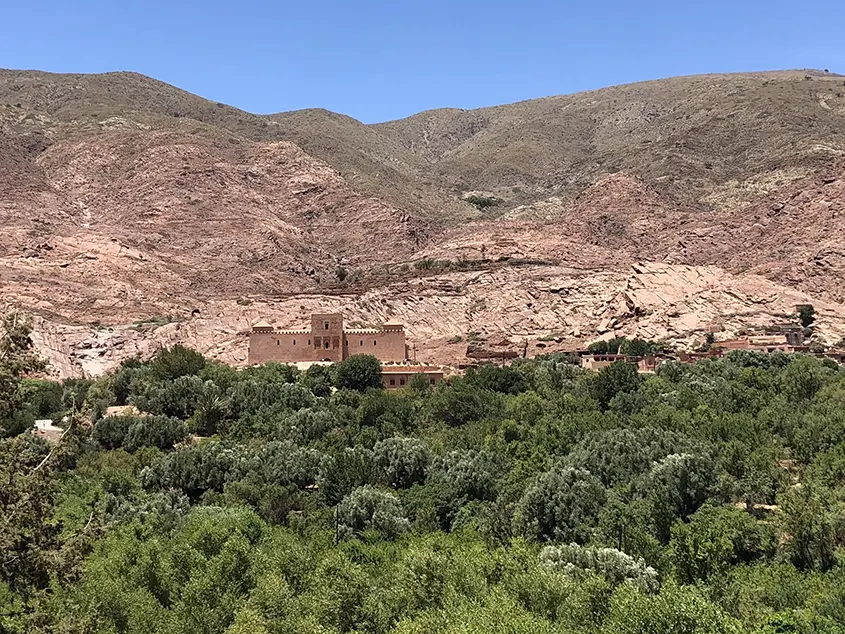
x=526, y=499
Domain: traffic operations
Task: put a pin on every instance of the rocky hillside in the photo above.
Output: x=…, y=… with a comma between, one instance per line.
x=136, y=214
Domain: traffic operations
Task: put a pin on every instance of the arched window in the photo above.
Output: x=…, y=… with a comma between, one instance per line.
x=374, y=342
x=294, y=342
x=362, y=342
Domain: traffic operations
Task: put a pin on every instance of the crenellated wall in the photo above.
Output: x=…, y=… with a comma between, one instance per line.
x=385, y=344
x=326, y=341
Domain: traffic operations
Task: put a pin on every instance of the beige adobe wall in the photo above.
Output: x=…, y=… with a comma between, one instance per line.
x=403, y=379
x=327, y=324
x=385, y=344
x=326, y=341
x=592, y=364
x=289, y=347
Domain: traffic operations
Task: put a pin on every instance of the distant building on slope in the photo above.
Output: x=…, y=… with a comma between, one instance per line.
x=327, y=340
x=396, y=377
x=45, y=428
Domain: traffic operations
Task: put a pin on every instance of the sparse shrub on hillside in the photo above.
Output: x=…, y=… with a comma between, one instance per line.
x=806, y=315
x=482, y=202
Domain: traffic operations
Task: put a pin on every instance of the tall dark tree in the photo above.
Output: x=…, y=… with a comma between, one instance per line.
x=359, y=372
x=17, y=359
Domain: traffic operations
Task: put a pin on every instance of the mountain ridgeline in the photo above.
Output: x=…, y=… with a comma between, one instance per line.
x=139, y=199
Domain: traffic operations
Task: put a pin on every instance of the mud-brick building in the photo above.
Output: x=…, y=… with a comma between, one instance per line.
x=327, y=340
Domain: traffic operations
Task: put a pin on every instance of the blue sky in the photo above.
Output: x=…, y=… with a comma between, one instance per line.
x=377, y=60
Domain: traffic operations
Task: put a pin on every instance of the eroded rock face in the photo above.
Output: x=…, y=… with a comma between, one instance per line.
x=534, y=309
x=133, y=222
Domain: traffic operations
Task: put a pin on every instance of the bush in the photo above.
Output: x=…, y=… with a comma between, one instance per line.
x=676, y=487
x=458, y=404
x=367, y=508
x=617, y=567
x=675, y=610
x=495, y=379
x=359, y=372
x=716, y=538
x=618, y=456
x=562, y=505
x=617, y=378
x=133, y=432
x=403, y=461
x=482, y=202
x=345, y=471
x=317, y=379
x=807, y=315
x=194, y=470
x=171, y=363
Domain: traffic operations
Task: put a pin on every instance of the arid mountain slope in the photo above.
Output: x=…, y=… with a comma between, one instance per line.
x=55, y=106
x=145, y=220
x=686, y=135
x=127, y=203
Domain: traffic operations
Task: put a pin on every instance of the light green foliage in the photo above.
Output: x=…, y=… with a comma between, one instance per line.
x=368, y=508
x=403, y=461
x=617, y=567
x=715, y=539
x=562, y=505
x=675, y=610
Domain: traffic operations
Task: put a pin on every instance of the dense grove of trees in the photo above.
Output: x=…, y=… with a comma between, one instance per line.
x=532, y=498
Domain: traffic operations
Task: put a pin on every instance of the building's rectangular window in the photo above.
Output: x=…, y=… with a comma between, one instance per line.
x=401, y=381
x=393, y=381
x=277, y=342
x=309, y=342
x=431, y=381
x=362, y=342
x=294, y=342
x=374, y=342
